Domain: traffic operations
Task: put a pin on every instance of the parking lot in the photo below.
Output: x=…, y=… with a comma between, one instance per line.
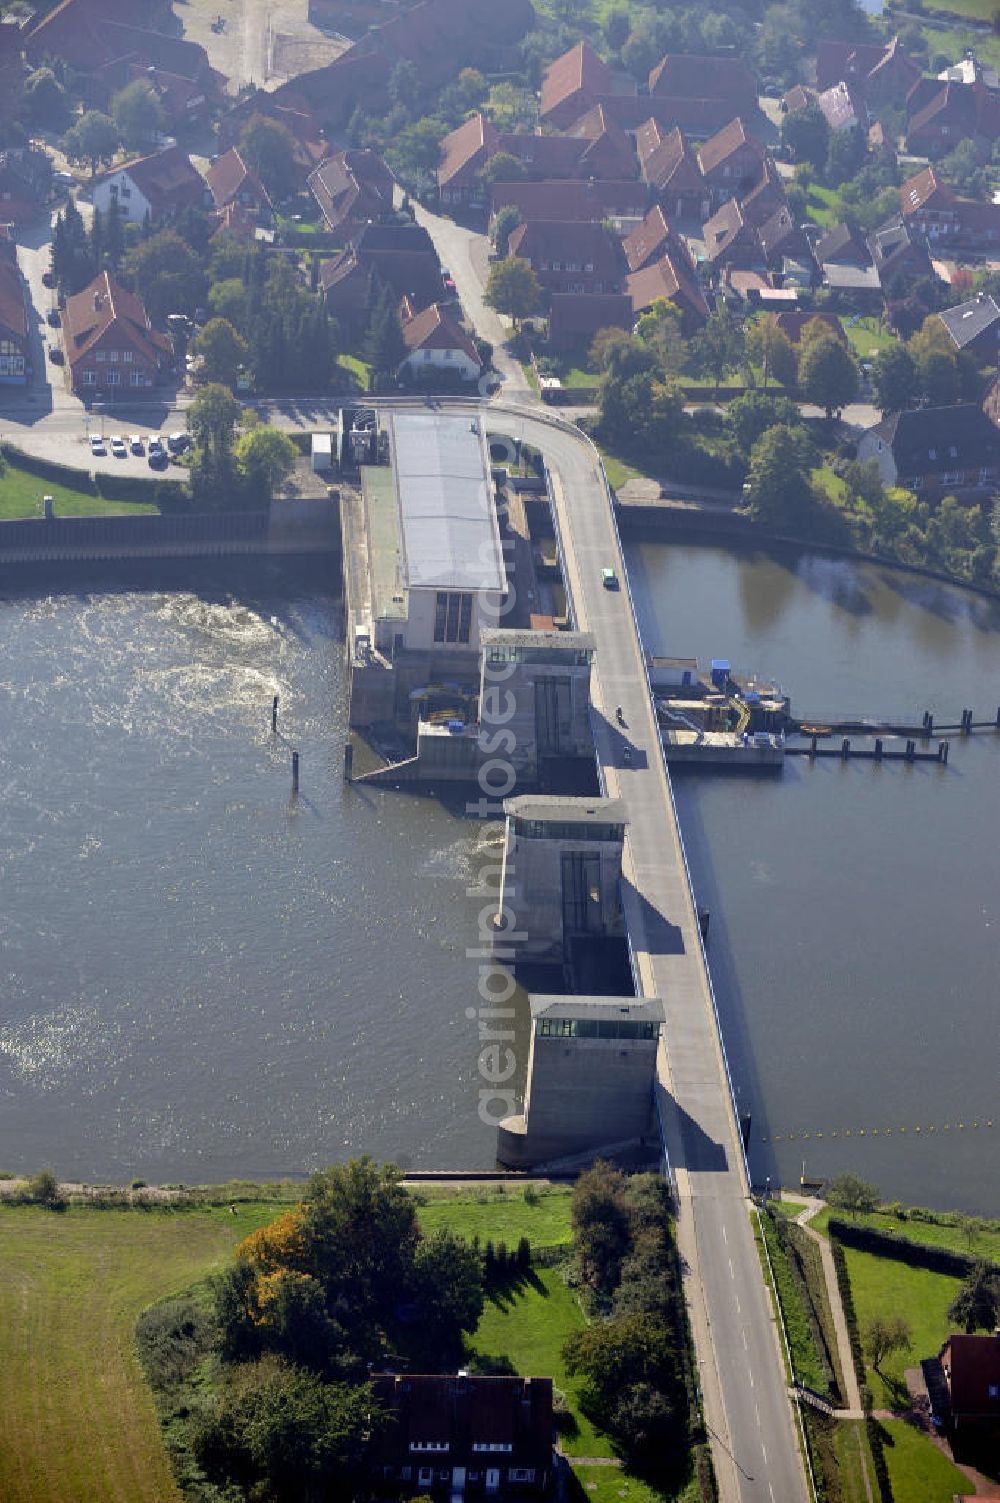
x=142, y=450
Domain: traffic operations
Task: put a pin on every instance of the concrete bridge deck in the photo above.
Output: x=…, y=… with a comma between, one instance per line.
x=747, y=1406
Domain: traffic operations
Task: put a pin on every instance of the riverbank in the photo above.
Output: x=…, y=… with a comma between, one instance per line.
x=666, y=520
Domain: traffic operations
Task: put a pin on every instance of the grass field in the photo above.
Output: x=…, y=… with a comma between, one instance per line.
x=854, y=1461
x=78, y=1417
x=884, y=1286
x=529, y=1328
x=21, y=496
x=503, y=1218
x=975, y=10
x=820, y=205
x=617, y=470
x=919, y=1472
x=866, y=337
x=985, y=1244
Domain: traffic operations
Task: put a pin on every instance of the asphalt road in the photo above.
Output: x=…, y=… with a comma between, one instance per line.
x=746, y=1402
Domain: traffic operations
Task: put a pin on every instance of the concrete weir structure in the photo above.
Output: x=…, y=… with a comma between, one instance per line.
x=591, y=1059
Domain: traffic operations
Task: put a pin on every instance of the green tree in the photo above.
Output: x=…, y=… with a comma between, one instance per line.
x=828, y=374
x=212, y=419
x=285, y=1434
x=779, y=488
x=223, y=350
x=884, y=1335
x=850, y=1193
x=976, y=1306
x=264, y=457
x=894, y=379
x=268, y=148
x=806, y=134
x=749, y=416
x=94, y=139
x=720, y=347
x=447, y=1286
x=384, y=347
x=770, y=347
x=43, y=1189
x=600, y=1218
x=138, y=114
x=505, y=223
x=404, y=86
x=939, y=379
x=513, y=289
x=845, y=154
x=167, y=275
x=45, y=101
x=962, y=168
x=229, y=298
x=630, y=1381
x=73, y=263
x=661, y=328
x=617, y=25
x=502, y=167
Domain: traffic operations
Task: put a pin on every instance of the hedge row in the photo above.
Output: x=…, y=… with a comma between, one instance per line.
x=49, y=469
x=876, y=1437
x=917, y=1254
x=112, y=487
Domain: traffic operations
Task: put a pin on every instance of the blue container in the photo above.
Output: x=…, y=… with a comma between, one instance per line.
x=720, y=672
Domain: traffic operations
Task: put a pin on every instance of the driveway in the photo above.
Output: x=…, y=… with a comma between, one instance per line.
x=466, y=255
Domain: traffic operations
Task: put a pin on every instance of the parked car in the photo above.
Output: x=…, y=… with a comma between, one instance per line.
x=178, y=443
x=118, y=448
x=157, y=459
x=52, y=318
x=136, y=443
x=97, y=444
x=56, y=355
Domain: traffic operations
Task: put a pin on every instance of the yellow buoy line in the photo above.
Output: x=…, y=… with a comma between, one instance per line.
x=977, y=1124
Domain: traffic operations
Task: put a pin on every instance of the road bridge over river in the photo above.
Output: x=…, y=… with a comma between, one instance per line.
x=747, y=1405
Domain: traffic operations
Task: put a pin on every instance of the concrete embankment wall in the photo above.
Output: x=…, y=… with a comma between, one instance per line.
x=297, y=526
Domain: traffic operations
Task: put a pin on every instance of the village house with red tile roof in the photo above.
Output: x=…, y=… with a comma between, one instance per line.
x=352, y=188
x=670, y=167
x=572, y=258
x=15, y=360
x=933, y=209
x=573, y=201
x=572, y=85
x=151, y=187
x=575, y=318
x=111, y=346
x=672, y=277
x=730, y=161
x=436, y=345
x=231, y=181
x=724, y=86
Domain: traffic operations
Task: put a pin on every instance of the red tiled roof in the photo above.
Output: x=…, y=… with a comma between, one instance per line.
x=461, y=1412
x=858, y=61
x=89, y=314
x=667, y=278
x=433, y=329
x=974, y=1363
x=576, y=317
x=649, y=241
x=918, y=191
x=580, y=70
x=13, y=311
x=666, y=160
x=544, y=241
x=766, y=196
x=168, y=179
x=716, y=151
x=473, y=141
x=229, y=175
x=352, y=186
x=573, y=200
x=726, y=226
x=694, y=76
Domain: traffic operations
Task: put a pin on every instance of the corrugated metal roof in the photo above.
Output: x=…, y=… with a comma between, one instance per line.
x=448, y=520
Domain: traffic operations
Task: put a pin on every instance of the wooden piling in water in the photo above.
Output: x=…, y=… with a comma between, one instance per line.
x=878, y=748
x=943, y=752
x=348, y=762
x=274, y=715
x=295, y=772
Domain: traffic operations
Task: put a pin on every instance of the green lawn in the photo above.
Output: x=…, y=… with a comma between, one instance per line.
x=975, y=10
x=820, y=204
x=854, y=1461
x=790, y=1208
x=358, y=369
x=985, y=1244
x=529, y=1328
x=502, y=1218
x=884, y=1286
x=866, y=337
x=607, y=1484
x=21, y=496
x=956, y=41
x=617, y=470
x=71, y=1390
x=832, y=486
x=919, y=1472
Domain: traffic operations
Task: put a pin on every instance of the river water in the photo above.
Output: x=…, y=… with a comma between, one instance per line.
x=855, y=931
x=202, y=977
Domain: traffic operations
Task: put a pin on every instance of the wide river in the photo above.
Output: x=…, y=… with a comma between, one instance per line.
x=201, y=976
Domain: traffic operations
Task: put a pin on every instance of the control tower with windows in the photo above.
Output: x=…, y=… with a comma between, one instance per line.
x=537, y=685
x=562, y=868
x=591, y=1069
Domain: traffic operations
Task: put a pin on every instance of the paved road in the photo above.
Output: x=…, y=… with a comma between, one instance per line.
x=746, y=1402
